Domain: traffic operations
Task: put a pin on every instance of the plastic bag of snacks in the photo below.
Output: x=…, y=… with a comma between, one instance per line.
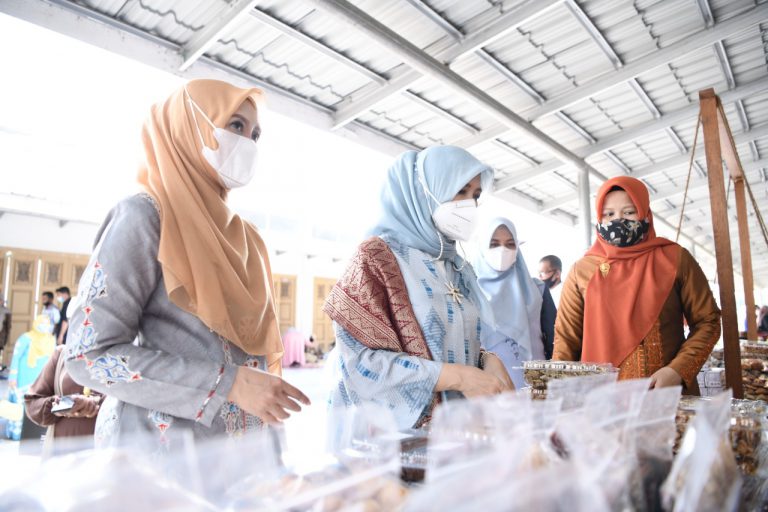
x=463, y=432
x=653, y=434
x=754, y=374
x=754, y=350
x=573, y=391
x=360, y=471
x=704, y=475
x=538, y=374
x=107, y=479
x=499, y=485
x=597, y=437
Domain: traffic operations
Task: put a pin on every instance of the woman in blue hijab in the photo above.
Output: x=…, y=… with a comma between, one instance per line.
x=522, y=306
x=409, y=315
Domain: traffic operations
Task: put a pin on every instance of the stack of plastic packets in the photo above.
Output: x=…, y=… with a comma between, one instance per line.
x=711, y=381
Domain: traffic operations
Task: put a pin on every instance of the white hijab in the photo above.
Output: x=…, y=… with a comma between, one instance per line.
x=515, y=299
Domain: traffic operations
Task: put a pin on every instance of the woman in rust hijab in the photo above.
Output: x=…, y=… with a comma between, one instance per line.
x=175, y=317
x=625, y=300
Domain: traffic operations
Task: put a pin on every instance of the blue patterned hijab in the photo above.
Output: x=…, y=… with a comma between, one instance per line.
x=407, y=210
x=515, y=298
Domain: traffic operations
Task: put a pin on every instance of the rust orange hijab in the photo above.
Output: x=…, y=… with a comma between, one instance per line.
x=215, y=265
x=621, y=307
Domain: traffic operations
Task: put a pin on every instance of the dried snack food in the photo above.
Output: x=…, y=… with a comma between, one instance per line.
x=746, y=432
x=539, y=373
x=754, y=373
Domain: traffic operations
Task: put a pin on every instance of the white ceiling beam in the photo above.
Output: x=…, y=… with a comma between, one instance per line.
x=696, y=41
x=706, y=12
x=446, y=50
x=679, y=160
x=594, y=33
x=698, y=183
x=92, y=27
x=725, y=64
x=223, y=22
x=318, y=46
x=647, y=101
x=628, y=135
x=422, y=62
x=334, y=54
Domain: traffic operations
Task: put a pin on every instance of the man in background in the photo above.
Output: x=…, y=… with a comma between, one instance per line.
x=550, y=271
x=62, y=297
x=50, y=309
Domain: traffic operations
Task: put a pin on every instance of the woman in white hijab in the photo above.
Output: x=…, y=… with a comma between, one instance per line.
x=522, y=306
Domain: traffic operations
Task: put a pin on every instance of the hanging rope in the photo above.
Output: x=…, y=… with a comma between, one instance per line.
x=688, y=180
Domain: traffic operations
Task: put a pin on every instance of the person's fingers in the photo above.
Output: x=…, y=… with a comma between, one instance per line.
x=90, y=410
x=279, y=413
x=288, y=403
x=296, y=393
x=268, y=418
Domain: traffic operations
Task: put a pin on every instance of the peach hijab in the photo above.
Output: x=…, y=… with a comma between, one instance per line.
x=215, y=264
x=621, y=307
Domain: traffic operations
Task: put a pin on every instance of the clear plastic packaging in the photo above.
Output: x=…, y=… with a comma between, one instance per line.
x=754, y=350
x=109, y=479
x=359, y=470
x=652, y=434
x=538, y=374
x=573, y=391
x=704, y=475
x=754, y=373
x=747, y=433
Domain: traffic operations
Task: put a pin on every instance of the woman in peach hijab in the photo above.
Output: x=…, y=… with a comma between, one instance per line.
x=175, y=317
x=624, y=302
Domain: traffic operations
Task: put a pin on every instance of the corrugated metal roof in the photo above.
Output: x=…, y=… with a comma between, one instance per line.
x=549, y=58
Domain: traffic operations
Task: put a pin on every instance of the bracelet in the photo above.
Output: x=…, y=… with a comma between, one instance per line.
x=483, y=356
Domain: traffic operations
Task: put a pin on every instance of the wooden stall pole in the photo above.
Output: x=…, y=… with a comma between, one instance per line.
x=719, y=207
x=746, y=258
x=732, y=160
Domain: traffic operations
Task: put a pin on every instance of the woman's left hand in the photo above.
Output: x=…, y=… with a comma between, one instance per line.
x=84, y=407
x=495, y=367
x=665, y=377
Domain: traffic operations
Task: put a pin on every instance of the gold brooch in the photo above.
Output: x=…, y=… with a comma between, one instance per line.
x=604, y=268
x=453, y=292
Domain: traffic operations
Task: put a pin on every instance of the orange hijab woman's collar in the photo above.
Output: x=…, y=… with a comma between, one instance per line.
x=626, y=293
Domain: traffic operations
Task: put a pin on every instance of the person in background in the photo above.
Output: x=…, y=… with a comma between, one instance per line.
x=53, y=383
x=408, y=313
x=522, y=305
x=50, y=309
x=294, y=346
x=31, y=352
x=63, y=298
x=175, y=318
x=5, y=329
x=625, y=301
x=762, y=322
x=551, y=271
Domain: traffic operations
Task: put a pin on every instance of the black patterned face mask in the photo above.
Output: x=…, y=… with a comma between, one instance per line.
x=623, y=232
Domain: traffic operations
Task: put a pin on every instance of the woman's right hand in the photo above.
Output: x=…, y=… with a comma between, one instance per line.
x=265, y=395
x=470, y=381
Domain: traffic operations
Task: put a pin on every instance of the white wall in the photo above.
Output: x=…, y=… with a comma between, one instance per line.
x=41, y=234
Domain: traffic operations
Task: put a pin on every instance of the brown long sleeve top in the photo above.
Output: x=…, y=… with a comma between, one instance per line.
x=665, y=344
x=41, y=397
